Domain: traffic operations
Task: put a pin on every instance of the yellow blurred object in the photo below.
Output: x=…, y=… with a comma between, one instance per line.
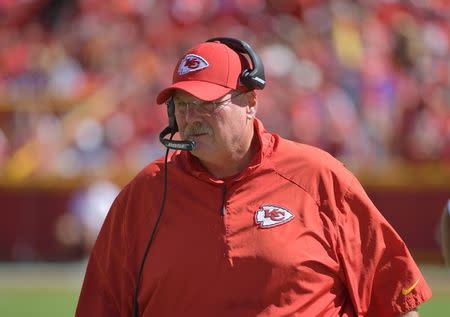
x=347, y=42
x=22, y=164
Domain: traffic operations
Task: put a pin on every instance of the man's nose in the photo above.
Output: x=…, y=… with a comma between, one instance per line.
x=191, y=113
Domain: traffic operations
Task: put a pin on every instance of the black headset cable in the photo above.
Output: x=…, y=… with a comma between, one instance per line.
x=150, y=241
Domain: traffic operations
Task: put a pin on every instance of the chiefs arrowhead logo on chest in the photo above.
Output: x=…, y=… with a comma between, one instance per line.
x=268, y=216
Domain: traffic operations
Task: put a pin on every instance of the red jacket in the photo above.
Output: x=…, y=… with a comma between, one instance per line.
x=294, y=234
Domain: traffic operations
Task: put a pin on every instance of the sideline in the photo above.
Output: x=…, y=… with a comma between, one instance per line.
x=43, y=275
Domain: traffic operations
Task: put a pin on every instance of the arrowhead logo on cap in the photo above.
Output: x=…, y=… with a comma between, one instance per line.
x=207, y=71
x=191, y=63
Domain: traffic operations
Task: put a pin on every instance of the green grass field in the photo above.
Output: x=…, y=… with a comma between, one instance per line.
x=52, y=290
x=437, y=306
x=38, y=302
x=40, y=290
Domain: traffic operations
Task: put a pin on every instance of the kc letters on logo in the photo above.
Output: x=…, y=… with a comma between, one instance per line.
x=268, y=216
x=190, y=63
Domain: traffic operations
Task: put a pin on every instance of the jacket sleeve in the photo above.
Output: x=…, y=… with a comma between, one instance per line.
x=108, y=285
x=381, y=275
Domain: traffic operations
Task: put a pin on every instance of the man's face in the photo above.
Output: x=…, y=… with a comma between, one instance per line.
x=218, y=128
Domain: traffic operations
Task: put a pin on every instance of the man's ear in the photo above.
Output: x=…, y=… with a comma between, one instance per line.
x=252, y=103
x=251, y=112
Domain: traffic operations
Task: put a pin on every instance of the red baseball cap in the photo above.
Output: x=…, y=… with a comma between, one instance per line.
x=207, y=71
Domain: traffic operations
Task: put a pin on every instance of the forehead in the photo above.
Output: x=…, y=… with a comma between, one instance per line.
x=185, y=96
x=182, y=95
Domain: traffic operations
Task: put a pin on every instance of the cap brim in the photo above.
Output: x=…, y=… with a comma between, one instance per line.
x=200, y=89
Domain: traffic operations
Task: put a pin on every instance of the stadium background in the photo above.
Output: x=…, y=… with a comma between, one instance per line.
x=368, y=81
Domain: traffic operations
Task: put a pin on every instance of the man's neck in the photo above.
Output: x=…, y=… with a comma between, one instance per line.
x=235, y=163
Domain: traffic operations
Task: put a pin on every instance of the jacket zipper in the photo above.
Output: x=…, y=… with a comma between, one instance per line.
x=224, y=200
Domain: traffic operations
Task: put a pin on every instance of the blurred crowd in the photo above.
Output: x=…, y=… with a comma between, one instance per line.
x=368, y=81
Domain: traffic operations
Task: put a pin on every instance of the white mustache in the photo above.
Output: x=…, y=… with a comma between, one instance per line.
x=196, y=129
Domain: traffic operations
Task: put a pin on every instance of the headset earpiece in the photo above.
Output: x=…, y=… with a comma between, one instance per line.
x=251, y=78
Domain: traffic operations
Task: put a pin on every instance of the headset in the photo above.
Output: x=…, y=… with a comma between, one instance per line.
x=253, y=78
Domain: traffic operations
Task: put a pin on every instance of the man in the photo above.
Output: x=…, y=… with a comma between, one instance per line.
x=246, y=223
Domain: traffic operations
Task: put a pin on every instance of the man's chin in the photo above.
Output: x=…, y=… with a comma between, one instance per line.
x=200, y=150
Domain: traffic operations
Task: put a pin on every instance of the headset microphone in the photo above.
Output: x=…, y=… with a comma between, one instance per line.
x=187, y=145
